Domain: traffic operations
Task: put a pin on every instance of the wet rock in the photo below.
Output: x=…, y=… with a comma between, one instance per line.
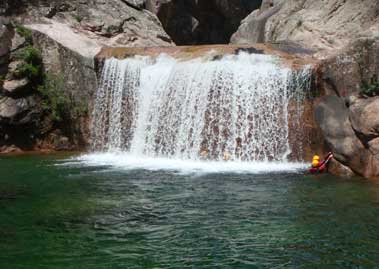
x=63, y=143
x=338, y=168
x=10, y=149
x=16, y=87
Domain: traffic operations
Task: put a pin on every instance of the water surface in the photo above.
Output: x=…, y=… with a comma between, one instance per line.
x=57, y=212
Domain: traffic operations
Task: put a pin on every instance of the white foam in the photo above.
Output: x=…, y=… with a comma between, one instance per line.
x=124, y=161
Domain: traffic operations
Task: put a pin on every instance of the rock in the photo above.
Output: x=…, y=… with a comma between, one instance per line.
x=333, y=118
x=16, y=87
x=364, y=117
x=252, y=28
x=191, y=22
x=343, y=71
x=17, y=42
x=115, y=22
x=359, y=152
x=12, y=68
x=138, y=4
x=107, y=22
x=316, y=25
x=338, y=168
x=5, y=44
x=63, y=143
x=18, y=111
x=10, y=149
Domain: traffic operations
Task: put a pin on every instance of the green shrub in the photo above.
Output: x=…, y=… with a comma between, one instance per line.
x=30, y=55
x=31, y=66
x=370, y=89
x=24, y=32
x=54, y=99
x=57, y=102
x=78, y=18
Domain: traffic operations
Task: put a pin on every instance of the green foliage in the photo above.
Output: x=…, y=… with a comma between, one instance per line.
x=54, y=100
x=371, y=89
x=30, y=55
x=25, y=33
x=57, y=102
x=31, y=66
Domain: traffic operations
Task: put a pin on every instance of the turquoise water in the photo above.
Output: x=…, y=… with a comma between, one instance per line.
x=59, y=215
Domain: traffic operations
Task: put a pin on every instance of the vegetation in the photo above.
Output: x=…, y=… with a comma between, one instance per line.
x=51, y=87
x=31, y=65
x=371, y=89
x=25, y=33
x=56, y=102
x=78, y=18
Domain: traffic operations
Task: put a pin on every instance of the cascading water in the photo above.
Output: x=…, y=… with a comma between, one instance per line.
x=164, y=107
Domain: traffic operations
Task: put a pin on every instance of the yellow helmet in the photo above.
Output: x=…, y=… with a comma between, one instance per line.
x=316, y=157
x=315, y=163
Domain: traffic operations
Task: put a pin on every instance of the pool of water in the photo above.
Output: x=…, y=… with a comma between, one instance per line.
x=63, y=212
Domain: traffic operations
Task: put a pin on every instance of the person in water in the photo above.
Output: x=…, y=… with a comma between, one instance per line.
x=319, y=167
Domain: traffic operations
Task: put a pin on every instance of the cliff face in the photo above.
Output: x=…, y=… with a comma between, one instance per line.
x=194, y=22
x=317, y=25
x=344, y=37
x=45, y=102
x=346, y=115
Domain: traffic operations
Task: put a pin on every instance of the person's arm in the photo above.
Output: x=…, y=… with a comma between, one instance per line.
x=325, y=162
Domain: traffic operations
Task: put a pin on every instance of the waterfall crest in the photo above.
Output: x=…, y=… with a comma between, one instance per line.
x=163, y=107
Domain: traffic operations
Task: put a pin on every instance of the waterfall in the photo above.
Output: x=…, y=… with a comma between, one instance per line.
x=236, y=105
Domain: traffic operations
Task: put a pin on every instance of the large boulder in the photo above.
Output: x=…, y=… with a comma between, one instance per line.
x=16, y=87
x=344, y=71
x=364, y=117
x=332, y=116
x=18, y=111
x=252, y=28
x=109, y=22
x=351, y=129
x=313, y=24
x=68, y=34
x=5, y=45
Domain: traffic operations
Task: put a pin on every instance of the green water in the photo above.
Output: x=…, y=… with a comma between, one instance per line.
x=54, y=216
